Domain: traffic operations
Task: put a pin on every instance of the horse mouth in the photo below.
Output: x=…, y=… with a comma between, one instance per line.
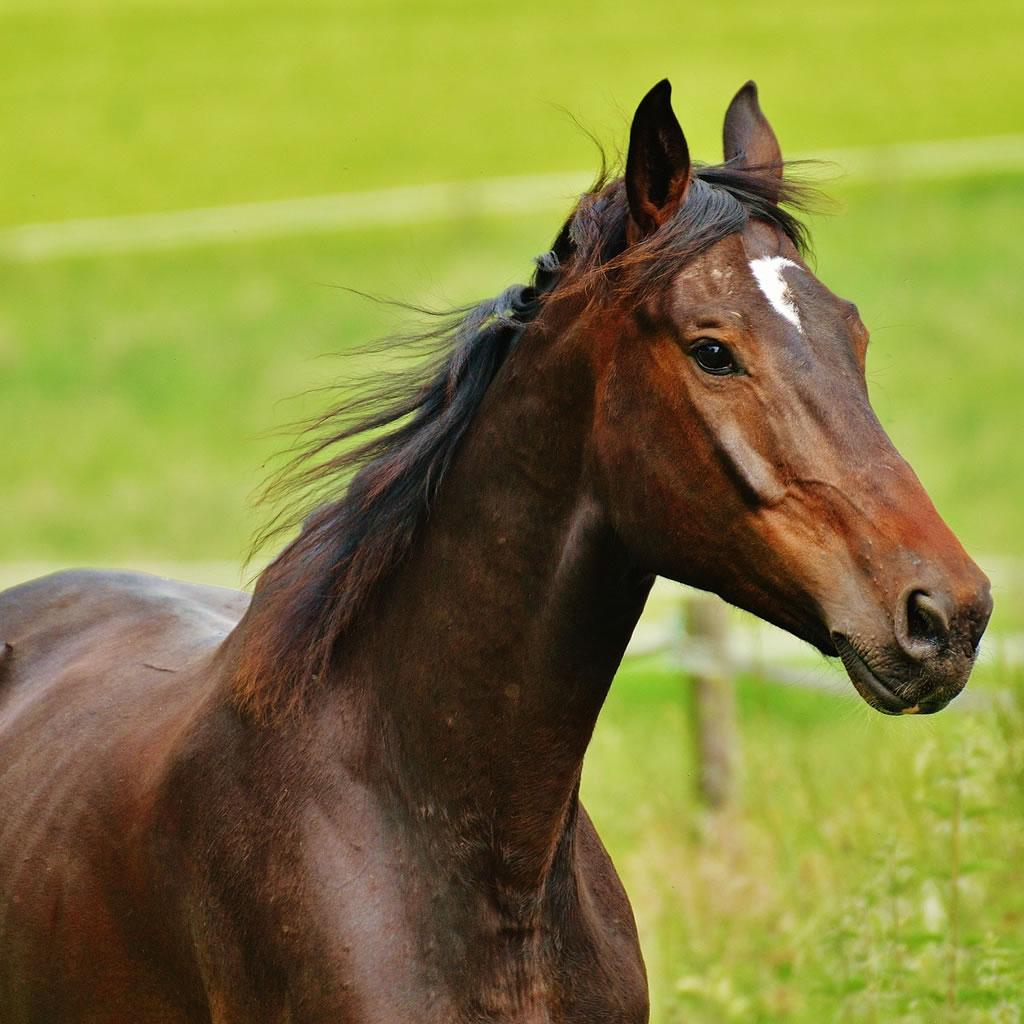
x=878, y=692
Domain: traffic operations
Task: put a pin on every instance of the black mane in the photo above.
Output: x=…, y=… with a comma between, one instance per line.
x=411, y=425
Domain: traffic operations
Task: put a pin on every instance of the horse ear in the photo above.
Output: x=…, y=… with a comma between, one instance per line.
x=657, y=165
x=747, y=136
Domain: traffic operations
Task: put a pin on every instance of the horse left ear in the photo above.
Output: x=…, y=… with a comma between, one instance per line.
x=657, y=165
x=747, y=137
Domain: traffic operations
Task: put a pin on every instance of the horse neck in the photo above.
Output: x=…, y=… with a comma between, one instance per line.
x=492, y=650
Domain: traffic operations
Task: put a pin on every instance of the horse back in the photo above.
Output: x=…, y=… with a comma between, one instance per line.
x=99, y=675
x=54, y=618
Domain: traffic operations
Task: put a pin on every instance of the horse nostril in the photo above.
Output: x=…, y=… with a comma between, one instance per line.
x=927, y=618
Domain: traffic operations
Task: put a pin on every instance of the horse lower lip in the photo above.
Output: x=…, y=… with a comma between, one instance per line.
x=868, y=685
x=929, y=707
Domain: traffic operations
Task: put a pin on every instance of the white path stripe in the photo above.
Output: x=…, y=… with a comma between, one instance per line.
x=417, y=203
x=276, y=218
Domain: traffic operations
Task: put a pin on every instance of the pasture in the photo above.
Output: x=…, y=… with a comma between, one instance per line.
x=870, y=873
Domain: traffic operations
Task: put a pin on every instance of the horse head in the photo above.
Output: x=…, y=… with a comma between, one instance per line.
x=735, y=446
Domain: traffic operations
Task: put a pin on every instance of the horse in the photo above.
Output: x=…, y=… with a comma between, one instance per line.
x=355, y=796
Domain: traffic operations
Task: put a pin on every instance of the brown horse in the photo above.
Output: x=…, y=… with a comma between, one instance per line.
x=355, y=798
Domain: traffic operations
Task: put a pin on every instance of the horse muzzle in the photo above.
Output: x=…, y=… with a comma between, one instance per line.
x=927, y=657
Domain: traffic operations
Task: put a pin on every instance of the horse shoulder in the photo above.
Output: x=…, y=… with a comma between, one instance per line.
x=278, y=866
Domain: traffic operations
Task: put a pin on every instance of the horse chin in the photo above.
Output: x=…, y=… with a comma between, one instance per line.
x=881, y=693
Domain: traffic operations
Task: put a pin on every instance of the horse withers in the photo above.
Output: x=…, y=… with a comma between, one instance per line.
x=354, y=797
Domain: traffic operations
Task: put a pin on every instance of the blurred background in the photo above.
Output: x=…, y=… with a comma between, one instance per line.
x=187, y=189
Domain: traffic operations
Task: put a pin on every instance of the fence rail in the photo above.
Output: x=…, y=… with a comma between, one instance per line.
x=708, y=646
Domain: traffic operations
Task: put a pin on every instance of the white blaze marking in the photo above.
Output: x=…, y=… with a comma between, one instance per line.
x=767, y=272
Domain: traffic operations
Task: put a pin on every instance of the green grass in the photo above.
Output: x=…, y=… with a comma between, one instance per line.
x=832, y=893
x=118, y=106
x=142, y=389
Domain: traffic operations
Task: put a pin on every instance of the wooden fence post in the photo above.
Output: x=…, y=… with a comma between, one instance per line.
x=714, y=727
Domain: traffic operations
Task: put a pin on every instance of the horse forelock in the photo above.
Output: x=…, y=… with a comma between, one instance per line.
x=370, y=498
x=720, y=201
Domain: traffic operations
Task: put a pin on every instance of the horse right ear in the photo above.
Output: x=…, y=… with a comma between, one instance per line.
x=657, y=165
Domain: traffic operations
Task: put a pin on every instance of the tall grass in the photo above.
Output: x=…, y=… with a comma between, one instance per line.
x=870, y=873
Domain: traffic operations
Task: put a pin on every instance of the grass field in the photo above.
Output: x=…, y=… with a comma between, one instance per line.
x=871, y=873
x=141, y=386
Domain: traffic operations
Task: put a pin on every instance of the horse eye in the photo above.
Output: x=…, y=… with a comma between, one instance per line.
x=714, y=357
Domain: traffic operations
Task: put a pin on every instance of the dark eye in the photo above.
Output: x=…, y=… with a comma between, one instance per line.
x=714, y=357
